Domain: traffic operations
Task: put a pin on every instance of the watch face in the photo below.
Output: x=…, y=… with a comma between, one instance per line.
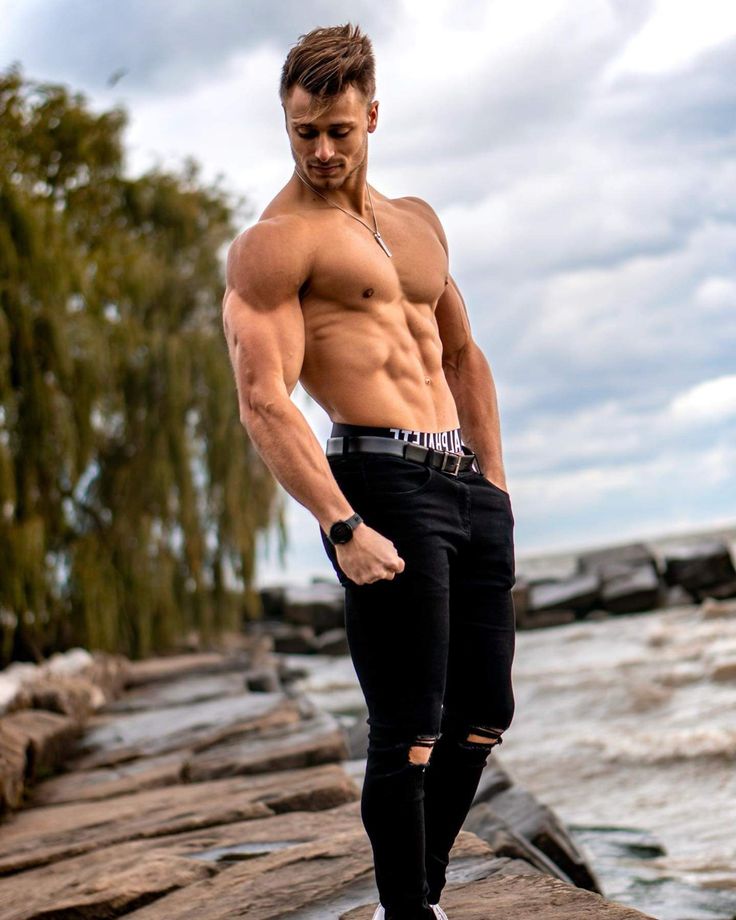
x=340, y=532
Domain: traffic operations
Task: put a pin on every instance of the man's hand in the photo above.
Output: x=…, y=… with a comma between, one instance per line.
x=368, y=556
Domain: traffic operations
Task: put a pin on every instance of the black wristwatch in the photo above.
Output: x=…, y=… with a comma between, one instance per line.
x=342, y=531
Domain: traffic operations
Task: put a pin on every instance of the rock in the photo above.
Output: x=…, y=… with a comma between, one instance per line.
x=169, y=667
x=610, y=561
x=107, y=782
x=493, y=779
x=13, y=743
x=333, y=642
x=104, y=890
x=76, y=697
x=73, y=683
x=538, y=824
x=47, y=738
x=322, y=879
x=633, y=590
x=112, y=739
x=289, y=639
x=518, y=897
x=703, y=570
x=629, y=577
x=263, y=680
x=180, y=691
x=272, y=602
x=37, y=836
x=308, y=743
x=319, y=605
x=504, y=841
x=578, y=593
x=102, y=883
x=543, y=618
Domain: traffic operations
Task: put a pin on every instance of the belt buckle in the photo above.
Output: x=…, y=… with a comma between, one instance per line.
x=446, y=469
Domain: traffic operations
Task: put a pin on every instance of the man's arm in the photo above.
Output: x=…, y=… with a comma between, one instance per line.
x=469, y=377
x=264, y=329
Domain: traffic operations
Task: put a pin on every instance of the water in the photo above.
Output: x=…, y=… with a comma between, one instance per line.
x=626, y=727
x=622, y=728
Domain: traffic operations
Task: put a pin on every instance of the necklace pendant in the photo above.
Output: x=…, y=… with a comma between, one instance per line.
x=384, y=247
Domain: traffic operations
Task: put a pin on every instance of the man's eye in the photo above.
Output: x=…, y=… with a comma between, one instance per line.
x=340, y=133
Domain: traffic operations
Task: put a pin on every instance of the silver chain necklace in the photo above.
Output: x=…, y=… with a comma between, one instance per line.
x=376, y=233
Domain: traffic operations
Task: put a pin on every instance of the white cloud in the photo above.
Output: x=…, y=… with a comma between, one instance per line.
x=675, y=34
x=711, y=400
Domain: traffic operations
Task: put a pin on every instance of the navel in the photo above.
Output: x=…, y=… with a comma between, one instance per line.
x=368, y=292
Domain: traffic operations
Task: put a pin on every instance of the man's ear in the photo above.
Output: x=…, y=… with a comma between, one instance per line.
x=373, y=116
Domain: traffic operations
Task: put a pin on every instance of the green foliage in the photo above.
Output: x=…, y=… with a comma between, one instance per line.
x=130, y=495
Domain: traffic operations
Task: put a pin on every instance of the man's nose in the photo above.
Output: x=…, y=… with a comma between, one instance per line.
x=324, y=149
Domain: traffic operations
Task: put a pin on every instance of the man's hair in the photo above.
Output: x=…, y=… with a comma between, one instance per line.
x=326, y=61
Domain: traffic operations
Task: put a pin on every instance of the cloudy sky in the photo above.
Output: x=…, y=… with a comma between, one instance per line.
x=582, y=157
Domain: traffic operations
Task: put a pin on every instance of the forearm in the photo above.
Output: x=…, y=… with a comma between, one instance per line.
x=288, y=446
x=471, y=383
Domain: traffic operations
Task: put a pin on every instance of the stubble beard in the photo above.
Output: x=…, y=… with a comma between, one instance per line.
x=325, y=183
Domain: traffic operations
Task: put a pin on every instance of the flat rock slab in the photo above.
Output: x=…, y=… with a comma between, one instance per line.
x=106, y=782
x=106, y=891
x=277, y=741
x=112, y=739
x=170, y=667
x=46, y=834
x=515, y=897
x=125, y=876
x=314, y=741
x=310, y=876
x=182, y=691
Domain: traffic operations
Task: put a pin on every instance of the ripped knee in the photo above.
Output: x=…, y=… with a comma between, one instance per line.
x=421, y=749
x=484, y=737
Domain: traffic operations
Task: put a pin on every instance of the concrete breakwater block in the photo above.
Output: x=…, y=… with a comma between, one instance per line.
x=703, y=570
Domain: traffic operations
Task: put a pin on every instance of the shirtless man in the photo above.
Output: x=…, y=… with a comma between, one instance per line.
x=348, y=292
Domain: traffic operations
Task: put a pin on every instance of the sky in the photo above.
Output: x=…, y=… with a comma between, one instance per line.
x=581, y=155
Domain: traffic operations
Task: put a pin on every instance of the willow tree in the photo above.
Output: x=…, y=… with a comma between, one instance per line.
x=131, y=499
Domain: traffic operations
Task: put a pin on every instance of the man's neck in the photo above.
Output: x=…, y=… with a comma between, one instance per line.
x=351, y=195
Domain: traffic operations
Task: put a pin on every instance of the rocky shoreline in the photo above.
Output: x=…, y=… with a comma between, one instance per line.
x=203, y=785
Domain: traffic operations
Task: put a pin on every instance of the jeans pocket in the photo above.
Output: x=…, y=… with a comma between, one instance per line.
x=392, y=477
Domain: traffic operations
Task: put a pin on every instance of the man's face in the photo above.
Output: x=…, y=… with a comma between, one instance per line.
x=329, y=146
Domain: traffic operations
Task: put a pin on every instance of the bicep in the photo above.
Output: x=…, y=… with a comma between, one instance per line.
x=263, y=320
x=453, y=323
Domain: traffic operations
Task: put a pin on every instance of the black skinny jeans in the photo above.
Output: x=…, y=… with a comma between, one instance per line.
x=432, y=649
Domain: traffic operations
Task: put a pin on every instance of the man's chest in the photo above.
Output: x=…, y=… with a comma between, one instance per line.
x=351, y=267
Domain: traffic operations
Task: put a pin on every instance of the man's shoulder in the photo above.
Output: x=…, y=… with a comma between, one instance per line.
x=271, y=231
x=272, y=240
x=274, y=250
x=422, y=209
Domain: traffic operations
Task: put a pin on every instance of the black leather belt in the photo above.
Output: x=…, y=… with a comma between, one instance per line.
x=444, y=460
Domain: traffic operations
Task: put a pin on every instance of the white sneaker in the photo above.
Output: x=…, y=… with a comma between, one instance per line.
x=380, y=913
